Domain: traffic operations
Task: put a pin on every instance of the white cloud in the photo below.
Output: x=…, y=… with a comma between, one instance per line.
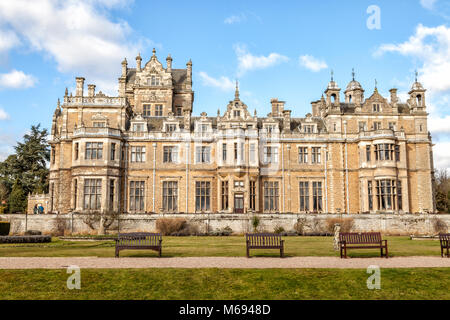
x=223, y=83
x=235, y=19
x=16, y=80
x=3, y=115
x=8, y=40
x=78, y=35
x=311, y=63
x=247, y=61
x=428, y=4
x=441, y=155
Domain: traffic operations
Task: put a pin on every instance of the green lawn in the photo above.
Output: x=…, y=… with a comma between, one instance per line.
x=215, y=246
x=212, y=284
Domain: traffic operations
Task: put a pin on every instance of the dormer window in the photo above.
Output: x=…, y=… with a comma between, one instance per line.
x=171, y=127
x=153, y=81
x=270, y=128
x=308, y=129
x=237, y=113
x=99, y=124
x=138, y=127
x=376, y=107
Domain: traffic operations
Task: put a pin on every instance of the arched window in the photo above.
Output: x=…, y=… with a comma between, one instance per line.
x=419, y=100
x=333, y=98
x=350, y=99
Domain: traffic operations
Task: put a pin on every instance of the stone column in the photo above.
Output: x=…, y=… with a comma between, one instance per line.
x=337, y=230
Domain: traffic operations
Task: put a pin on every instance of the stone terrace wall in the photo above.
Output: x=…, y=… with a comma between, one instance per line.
x=77, y=223
x=43, y=199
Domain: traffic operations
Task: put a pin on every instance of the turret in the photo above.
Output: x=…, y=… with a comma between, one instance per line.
x=124, y=67
x=333, y=92
x=417, y=96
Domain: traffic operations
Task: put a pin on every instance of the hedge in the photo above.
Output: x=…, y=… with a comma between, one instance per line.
x=25, y=239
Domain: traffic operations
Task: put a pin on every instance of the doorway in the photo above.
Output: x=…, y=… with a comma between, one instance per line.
x=239, y=203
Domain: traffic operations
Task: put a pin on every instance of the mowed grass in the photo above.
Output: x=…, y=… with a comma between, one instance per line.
x=214, y=284
x=233, y=246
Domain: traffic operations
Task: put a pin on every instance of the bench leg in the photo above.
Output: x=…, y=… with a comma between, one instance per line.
x=248, y=252
x=448, y=254
x=387, y=254
x=117, y=253
x=281, y=252
x=160, y=249
x=345, y=252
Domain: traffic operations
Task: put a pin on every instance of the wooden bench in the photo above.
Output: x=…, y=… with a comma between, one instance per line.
x=264, y=241
x=139, y=241
x=368, y=240
x=444, y=239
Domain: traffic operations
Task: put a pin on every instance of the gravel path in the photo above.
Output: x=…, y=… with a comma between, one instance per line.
x=221, y=262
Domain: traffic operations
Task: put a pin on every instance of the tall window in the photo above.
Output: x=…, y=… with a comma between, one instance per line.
x=370, y=194
x=147, y=110
x=271, y=195
x=253, y=195
x=302, y=155
x=53, y=155
x=137, y=189
x=202, y=196
x=224, y=195
x=202, y=154
x=315, y=155
x=170, y=195
x=252, y=152
x=397, y=153
x=158, y=110
x=376, y=107
x=386, y=194
x=368, y=153
x=76, y=150
x=178, y=111
x=399, y=195
x=111, y=194
x=270, y=155
x=94, y=150
x=113, y=151
x=384, y=151
x=224, y=152
x=170, y=154
x=317, y=196
x=308, y=129
x=362, y=126
x=304, y=196
x=235, y=151
x=137, y=154
x=377, y=125
x=75, y=193
x=92, y=194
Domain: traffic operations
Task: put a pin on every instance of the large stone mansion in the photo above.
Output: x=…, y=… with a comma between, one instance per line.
x=144, y=152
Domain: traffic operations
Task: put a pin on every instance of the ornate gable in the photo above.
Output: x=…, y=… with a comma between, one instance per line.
x=376, y=103
x=154, y=74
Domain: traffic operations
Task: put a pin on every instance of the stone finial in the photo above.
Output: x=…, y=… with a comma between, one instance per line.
x=236, y=93
x=169, y=63
x=66, y=93
x=154, y=52
x=59, y=104
x=138, y=62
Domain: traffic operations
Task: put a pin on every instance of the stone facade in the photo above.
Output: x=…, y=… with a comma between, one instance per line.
x=144, y=152
x=38, y=199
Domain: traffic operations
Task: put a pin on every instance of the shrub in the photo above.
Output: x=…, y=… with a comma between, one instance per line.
x=17, y=199
x=256, y=221
x=4, y=228
x=278, y=229
x=299, y=227
x=346, y=224
x=222, y=232
x=439, y=225
x=33, y=233
x=168, y=226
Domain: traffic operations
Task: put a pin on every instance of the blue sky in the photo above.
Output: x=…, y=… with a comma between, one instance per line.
x=280, y=49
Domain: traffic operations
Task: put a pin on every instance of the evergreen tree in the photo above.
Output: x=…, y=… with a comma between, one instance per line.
x=17, y=199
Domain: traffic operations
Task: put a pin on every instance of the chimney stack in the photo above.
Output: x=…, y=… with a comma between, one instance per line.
x=80, y=86
x=394, y=98
x=169, y=63
x=91, y=90
x=138, y=63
